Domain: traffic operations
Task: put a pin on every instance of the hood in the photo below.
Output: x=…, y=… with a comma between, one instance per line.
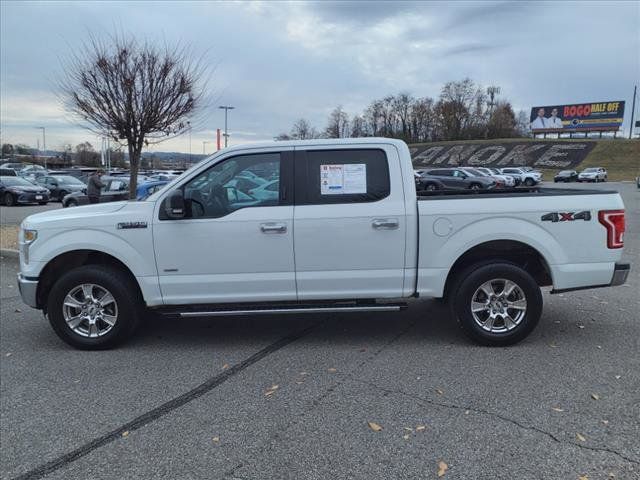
x=25, y=188
x=89, y=214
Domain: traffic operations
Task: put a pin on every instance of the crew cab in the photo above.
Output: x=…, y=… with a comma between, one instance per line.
x=346, y=232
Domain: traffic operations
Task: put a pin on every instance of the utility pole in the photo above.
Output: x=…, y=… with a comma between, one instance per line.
x=633, y=111
x=226, y=109
x=44, y=146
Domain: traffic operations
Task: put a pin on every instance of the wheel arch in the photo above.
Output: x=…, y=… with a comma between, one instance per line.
x=76, y=258
x=513, y=251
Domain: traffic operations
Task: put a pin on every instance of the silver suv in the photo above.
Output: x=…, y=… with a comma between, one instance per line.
x=593, y=174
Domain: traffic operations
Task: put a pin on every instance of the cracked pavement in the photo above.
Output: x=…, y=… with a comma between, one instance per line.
x=525, y=412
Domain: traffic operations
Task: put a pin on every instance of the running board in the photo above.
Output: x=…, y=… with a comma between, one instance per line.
x=268, y=311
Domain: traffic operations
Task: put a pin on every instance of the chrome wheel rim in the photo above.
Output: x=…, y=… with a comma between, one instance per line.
x=498, y=305
x=90, y=310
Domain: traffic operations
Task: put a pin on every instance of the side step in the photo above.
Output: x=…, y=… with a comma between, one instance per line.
x=222, y=310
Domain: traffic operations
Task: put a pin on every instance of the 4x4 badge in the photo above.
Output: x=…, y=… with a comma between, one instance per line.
x=566, y=216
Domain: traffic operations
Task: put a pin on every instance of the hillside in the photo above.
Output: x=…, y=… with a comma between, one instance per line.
x=621, y=157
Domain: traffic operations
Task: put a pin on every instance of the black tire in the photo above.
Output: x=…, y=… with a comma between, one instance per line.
x=71, y=203
x=61, y=195
x=431, y=187
x=467, y=284
x=124, y=292
x=529, y=182
x=475, y=186
x=9, y=200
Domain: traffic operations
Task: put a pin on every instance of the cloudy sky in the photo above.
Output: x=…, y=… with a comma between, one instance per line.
x=276, y=61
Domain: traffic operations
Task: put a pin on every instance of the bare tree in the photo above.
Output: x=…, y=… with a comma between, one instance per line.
x=502, y=123
x=338, y=124
x=86, y=155
x=303, y=130
x=134, y=93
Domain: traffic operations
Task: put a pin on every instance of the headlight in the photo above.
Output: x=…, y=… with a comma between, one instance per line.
x=29, y=236
x=25, y=239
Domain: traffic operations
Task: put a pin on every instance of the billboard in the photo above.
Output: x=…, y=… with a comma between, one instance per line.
x=578, y=117
x=501, y=154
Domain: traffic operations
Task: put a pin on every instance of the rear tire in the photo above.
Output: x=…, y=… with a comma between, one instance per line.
x=529, y=182
x=504, y=318
x=61, y=195
x=475, y=186
x=79, y=317
x=71, y=203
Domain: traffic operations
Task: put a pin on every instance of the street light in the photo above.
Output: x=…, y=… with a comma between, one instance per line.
x=204, y=142
x=44, y=146
x=226, y=109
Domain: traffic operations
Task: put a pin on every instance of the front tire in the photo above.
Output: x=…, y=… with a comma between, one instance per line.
x=9, y=200
x=496, y=304
x=71, y=203
x=529, y=182
x=475, y=186
x=94, y=307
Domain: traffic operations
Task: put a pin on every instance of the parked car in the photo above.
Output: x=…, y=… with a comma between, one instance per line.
x=61, y=185
x=147, y=188
x=15, y=190
x=507, y=180
x=166, y=177
x=457, y=178
x=115, y=189
x=266, y=191
x=566, y=176
x=364, y=241
x=593, y=174
x=476, y=172
x=526, y=177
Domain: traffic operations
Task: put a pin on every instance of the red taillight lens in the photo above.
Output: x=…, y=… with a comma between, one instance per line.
x=613, y=221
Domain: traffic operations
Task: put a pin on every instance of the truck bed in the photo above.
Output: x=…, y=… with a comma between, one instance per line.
x=508, y=192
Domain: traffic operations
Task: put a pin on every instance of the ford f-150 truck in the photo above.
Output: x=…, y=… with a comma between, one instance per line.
x=337, y=227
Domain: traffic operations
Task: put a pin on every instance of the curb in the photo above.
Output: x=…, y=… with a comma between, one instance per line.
x=9, y=253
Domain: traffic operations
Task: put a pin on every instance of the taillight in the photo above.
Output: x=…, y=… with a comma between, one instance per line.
x=613, y=221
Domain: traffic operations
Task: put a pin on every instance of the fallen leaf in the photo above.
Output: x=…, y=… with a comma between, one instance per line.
x=442, y=468
x=467, y=412
x=599, y=347
x=125, y=433
x=299, y=383
x=304, y=373
x=553, y=345
x=557, y=409
x=269, y=392
x=274, y=387
x=420, y=428
x=605, y=422
x=408, y=429
x=76, y=381
x=583, y=477
x=374, y=426
x=8, y=354
x=580, y=437
x=17, y=310
x=332, y=370
x=618, y=377
x=439, y=392
x=580, y=326
x=595, y=396
x=216, y=439
x=225, y=366
x=406, y=437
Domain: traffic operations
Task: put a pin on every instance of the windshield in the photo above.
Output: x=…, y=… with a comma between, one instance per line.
x=16, y=182
x=475, y=173
x=566, y=172
x=67, y=179
x=590, y=170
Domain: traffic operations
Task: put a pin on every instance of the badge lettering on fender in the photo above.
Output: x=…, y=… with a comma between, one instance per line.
x=127, y=225
x=566, y=216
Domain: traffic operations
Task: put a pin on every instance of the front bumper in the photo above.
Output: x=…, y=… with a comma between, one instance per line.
x=28, y=290
x=31, y=198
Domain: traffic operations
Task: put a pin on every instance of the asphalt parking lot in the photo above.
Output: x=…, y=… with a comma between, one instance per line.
x=291, y=397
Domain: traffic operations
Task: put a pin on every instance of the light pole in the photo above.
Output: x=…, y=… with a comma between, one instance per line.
x=226, y=109
x=44, y=146
x=189, y=124
x=204, y=142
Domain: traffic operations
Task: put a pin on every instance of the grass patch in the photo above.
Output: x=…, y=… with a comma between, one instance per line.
x=9, y=236
x=621, y=157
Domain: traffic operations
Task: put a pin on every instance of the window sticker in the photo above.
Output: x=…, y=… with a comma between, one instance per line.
x=343, y=179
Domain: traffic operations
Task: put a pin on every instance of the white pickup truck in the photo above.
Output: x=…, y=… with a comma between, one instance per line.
x=316, y=226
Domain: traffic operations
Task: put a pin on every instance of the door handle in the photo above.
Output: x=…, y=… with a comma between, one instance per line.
x=385, y=224
x=273, y=227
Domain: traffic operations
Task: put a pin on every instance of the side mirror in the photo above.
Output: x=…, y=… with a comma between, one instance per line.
x=174, y=207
